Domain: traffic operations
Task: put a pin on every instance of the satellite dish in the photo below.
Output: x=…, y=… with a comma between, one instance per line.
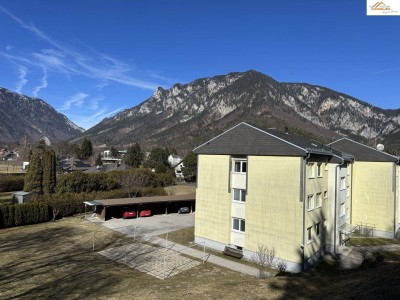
x=380, y=147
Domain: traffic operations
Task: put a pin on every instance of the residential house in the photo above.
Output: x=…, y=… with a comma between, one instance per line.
x=72, y=164
x=374, y=177
x=262, y=187
x=176, y=162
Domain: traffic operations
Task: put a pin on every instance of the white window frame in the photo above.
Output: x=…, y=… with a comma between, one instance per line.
x=241, y=163
x=310, y=202
x=319, y=170
x=309, y=235
x=318, y=200
x=242, y=195
x=342, y=209
x=241, y=225
x=348, y=191
x=317, y=228
x=325, y=194
x=311, y=170
x=342, y=183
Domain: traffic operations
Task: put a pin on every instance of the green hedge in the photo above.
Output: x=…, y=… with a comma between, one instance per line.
x=11, y=183
x=52, y=206
x=78, y=182
x=23, y=214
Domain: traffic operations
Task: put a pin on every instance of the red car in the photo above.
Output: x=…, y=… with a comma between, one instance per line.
x=129, y=214
x=145, y=212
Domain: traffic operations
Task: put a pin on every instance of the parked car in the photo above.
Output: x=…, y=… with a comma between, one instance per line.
x=129, y=214
x=145, y=212
x=184, y=210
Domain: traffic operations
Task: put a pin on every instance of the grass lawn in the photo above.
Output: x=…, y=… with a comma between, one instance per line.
x=6, y=197
x=370, y=241
x=55, y=261
x=181, y=189
x=10, y=167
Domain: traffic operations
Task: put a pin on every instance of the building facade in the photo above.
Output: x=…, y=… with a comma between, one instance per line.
x=260, y=187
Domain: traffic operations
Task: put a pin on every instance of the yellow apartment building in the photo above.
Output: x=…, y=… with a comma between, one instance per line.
x=258, y=187
x=375, y=188
x=262, y=187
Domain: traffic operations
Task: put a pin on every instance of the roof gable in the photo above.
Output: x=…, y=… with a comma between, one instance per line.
x=362, y=152
x=244, y=139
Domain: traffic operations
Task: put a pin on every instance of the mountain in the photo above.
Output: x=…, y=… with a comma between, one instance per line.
x=188, y=114
x=31, y=118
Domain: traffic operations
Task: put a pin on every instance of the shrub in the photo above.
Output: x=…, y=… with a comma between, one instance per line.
x=23, y=214
x=78, y=182
x=165, y=179
x=11, y=183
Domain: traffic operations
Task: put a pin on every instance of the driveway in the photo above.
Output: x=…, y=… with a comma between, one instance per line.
x=149, y=227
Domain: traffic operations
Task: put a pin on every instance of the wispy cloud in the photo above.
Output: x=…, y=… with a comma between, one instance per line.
x=89, y=121
x=9, y=47
x=158, y=76
x=22, y=79
x=384, y=71
x=76, y=100
x=85, y=62
x=43, y=84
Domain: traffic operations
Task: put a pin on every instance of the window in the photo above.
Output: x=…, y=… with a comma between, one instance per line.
x=326, y=195
x=326, y=167
x=318, y=229
x=311, y=171
x=238, y=224
x=240, y=166
x=309, y=235
x=310, y=202
x=239, y=195
x=319, y=170
x=342, y=209
x=348, y=191
x=342, y=183
x=318, y=200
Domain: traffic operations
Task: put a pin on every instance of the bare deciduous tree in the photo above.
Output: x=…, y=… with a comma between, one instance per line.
x=263, y=258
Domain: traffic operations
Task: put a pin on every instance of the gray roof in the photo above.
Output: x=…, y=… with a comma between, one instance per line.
x=362, y=152
x=244, y=139
x=74, y=164
x=146, y=200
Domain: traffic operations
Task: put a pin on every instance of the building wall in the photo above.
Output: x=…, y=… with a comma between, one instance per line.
x=316, y=185
x=373, y=195
x=213, y=202
x=273, y=207
x=398, y=197
x=337, y=195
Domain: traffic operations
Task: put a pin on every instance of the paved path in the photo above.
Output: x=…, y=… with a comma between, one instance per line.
x=226, y=263
x=149, y=229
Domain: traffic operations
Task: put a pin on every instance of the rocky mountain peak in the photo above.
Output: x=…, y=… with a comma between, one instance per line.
x=207, y=106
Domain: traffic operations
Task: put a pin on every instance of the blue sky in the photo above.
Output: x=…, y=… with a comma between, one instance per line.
x=90, y=59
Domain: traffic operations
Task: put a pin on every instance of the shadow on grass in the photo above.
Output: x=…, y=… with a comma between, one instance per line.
x=378, y=277
x=54, y=262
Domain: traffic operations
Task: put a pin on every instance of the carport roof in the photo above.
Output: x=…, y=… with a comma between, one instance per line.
x=143, y=200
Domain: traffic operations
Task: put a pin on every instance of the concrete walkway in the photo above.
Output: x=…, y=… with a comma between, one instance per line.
x=226, y=263
x=149, y=229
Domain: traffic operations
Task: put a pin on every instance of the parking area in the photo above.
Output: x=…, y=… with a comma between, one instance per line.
x=145, y=228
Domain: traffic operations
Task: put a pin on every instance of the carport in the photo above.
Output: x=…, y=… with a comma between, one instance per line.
x=107, y=208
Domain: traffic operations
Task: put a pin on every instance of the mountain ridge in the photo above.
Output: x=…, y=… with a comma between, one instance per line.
x=32, y=118
x=215, y=103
